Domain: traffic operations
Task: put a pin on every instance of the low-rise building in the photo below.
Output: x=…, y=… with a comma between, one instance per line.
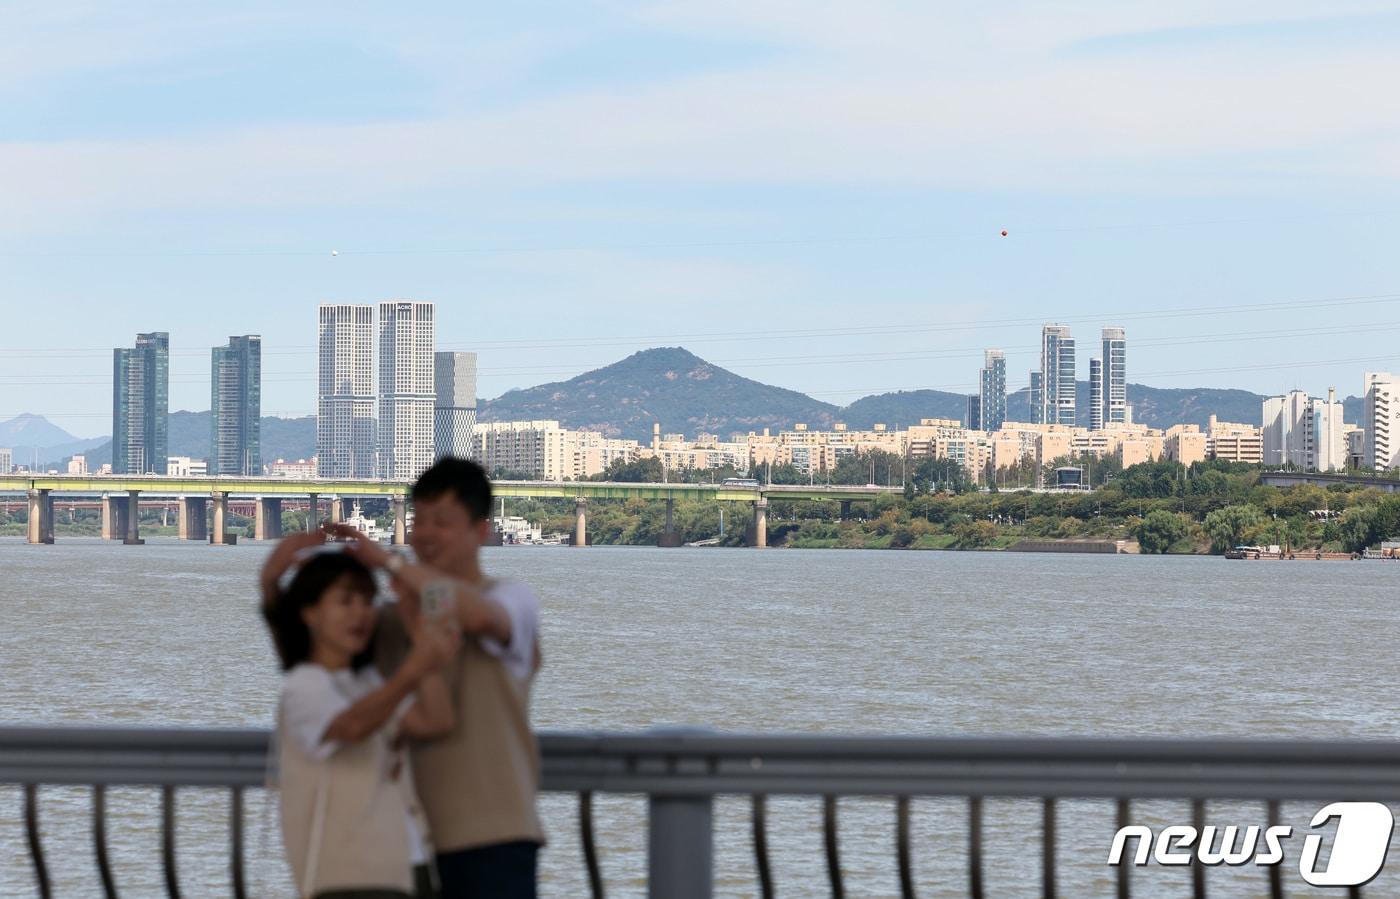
x=1234, y=442
x=78, y=465
x=185, y=467
x=300, y=470
x=1185, y=444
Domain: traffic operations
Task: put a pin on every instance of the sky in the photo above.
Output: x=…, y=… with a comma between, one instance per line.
x=811, y=194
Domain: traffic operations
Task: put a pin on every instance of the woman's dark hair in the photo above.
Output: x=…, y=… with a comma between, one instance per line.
x=290, y=634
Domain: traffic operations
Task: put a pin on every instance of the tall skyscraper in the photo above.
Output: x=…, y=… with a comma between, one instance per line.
x=1115, y=376
x=406, y=393
x=345, y=431
x=1096, y=405
x=235, y=404
x=1381, y=448
x=1057, y=402
x=1037, y=398
x=140, y=405
x=992, y=394
x=454, y=413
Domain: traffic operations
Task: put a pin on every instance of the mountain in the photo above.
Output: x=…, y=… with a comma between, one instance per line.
x=32, y=438
x=32, y=430
x=685, y=393
x=903, y=408
x=668, y=385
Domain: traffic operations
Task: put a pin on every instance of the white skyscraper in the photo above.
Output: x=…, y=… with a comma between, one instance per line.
x=455, y=412
x=345, y=431
x=406, y=391
x=1381, y=449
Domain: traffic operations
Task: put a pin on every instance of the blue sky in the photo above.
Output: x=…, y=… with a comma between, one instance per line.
x=808, y=193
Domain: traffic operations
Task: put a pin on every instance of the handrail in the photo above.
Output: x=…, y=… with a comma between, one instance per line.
x=682, y=771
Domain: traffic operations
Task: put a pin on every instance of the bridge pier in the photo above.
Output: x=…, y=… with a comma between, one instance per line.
x=40, y=516
x=670, y=536
x=191, y=523
x=337, y=510
x=400, y=505
x=267, y=519
x=760, y=524
x=109, y=517
x=313, y=513
x=580, y=521
x=133, y=519
x=218, y=533
x=845, y=510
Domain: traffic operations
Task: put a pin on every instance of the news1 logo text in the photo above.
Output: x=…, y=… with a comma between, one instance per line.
x=1357, y=853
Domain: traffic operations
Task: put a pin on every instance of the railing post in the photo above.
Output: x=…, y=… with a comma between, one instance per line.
x=680, y=833
x=680, y=847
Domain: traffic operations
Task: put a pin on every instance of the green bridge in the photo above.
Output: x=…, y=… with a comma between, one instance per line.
x=120, y=497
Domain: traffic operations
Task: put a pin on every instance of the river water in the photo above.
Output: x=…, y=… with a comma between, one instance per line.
x=830, y=641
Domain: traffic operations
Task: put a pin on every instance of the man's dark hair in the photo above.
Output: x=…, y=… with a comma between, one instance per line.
x=463, y=479
x=290, y=635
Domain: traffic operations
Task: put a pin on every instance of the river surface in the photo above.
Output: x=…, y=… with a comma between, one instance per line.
x=829, y=641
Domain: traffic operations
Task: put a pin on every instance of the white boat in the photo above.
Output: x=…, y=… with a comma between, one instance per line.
x=366, y=526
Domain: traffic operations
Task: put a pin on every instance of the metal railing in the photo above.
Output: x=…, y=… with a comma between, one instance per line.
x=681, y=772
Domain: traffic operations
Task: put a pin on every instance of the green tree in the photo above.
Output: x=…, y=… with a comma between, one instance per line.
x=972, y=534
x=1227, y=527
x=1160, y=530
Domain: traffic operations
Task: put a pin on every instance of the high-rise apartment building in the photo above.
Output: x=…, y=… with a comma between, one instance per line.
x=1114, y=360
x=1304, y=432
x=974, y=412
x=454, y=414
x=406, y=393
x=235, y=404
x=1096, y=394
x=992, y=395
x=1381, y=447
x=1057, y=401
x=7, y=460
x=140, y=405
x=345, y=430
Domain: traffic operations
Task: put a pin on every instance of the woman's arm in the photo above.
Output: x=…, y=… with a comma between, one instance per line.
x=432, y=715
x=370, y=713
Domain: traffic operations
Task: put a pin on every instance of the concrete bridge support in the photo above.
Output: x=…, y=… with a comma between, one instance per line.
x=192, y=523
x=670, y=536
x=132, y=520
x=337, y=510
x=845, y=510
x=218, y=532
x=267, y=519
x=400, y=506
x=580, y=521
x=760, y=524
x=40, y=516
x=109, y=518
x=313, y=514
